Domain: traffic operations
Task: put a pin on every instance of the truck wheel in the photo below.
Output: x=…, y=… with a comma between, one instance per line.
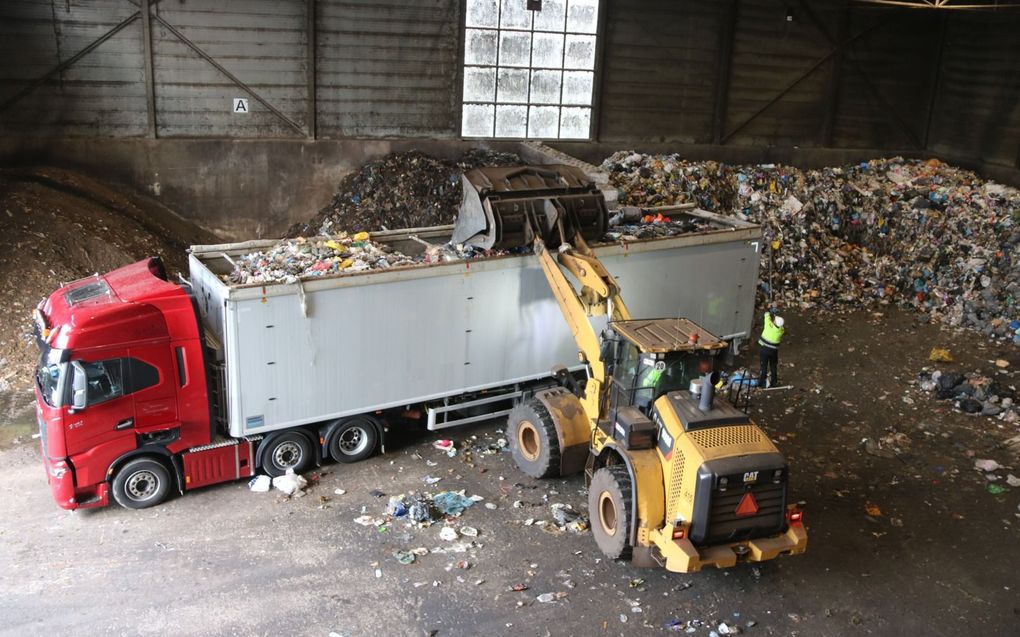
x=533, y=440
x=286, y=451
x=353, y=441
x=141, y=483
x=609, y=499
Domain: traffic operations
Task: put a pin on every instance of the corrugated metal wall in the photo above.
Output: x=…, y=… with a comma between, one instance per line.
x=388, y=68
x=103, y=93
x=744, y=73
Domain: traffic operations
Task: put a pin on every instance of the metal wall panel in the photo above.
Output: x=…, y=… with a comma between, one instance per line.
x=261, y=42
x=978, y=104
x=659, y=70
x=770, y=53
x=388, y=69
x=101, y=94
x=747, y=73
x=887, y=78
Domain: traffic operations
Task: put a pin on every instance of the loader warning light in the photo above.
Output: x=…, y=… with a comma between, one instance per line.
x=748, y=505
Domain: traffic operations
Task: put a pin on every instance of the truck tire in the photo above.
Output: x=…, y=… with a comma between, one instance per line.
x=533, y=440
x=289, y=450
x=610, y=495
x=141, y=483
x=353, y=441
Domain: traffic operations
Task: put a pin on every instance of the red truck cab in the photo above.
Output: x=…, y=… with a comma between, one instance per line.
x=121, y=383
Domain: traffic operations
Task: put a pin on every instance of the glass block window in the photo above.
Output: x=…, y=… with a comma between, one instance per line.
x=529, y=73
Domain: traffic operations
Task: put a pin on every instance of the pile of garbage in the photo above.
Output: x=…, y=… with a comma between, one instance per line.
x=289, y=261
x=422, y=509
x=918, y=233
x=972, y=393
x=401, y=190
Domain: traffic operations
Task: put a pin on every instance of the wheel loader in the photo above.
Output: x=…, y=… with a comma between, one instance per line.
x=676, y=476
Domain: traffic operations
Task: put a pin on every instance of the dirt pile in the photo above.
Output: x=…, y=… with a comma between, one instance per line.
x=57, y=226
x=401, y=190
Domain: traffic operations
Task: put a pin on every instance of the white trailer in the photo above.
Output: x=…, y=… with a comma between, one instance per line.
x=463, y=340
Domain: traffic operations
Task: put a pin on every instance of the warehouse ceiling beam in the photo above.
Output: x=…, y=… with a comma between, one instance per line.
x=804, y=75
x=39, y=81
x=959, y=5
x=233, y=78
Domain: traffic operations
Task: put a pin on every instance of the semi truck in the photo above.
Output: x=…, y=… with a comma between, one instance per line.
x=147, y=387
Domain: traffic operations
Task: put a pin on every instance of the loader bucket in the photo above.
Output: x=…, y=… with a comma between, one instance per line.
x=505, y=208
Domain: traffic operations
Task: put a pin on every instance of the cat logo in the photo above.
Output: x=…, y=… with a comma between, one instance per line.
x=751, y=476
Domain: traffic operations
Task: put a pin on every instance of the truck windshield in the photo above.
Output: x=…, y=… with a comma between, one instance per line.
x=49, y=376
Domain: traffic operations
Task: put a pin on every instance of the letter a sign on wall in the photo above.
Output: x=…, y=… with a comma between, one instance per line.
x=240, y=106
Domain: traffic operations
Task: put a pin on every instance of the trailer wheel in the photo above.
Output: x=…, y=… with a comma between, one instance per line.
x=290, y=450
x=533, y=440
x=609, y=498
x=353, y=441
x=141, y=483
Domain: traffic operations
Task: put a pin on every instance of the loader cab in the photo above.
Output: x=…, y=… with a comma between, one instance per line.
x=649, y=358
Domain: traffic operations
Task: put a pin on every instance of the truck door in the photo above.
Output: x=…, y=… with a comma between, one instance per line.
x=152, y=383
x=108, y=414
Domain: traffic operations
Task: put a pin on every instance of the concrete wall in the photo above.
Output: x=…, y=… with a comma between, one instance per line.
x=239, y=189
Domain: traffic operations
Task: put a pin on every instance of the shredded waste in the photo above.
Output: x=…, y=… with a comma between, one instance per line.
x=972, y=393
x=918, y=233
x=400, y=190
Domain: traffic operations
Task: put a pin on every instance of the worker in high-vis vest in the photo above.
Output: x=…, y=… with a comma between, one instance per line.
x=771, y=335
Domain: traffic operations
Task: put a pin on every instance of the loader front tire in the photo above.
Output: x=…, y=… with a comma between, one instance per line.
x=610, y=495
x=533, y=440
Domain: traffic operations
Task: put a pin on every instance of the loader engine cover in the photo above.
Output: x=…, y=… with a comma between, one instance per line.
x=633, y=430
x=503, y=208
x=739, y=498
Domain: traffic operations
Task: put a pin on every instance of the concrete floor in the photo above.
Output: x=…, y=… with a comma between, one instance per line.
x=939, y=559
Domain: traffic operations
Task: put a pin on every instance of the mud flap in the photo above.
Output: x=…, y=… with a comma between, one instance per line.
x=573, y=429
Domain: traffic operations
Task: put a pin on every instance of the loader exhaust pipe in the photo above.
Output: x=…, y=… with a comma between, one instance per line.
x=707, y=393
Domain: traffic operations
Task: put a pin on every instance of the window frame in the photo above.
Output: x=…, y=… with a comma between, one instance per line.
x=593, y=106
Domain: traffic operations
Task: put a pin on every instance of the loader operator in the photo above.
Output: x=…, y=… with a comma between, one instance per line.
x=769, y=340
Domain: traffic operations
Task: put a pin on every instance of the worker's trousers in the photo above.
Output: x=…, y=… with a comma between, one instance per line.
x=769, y=362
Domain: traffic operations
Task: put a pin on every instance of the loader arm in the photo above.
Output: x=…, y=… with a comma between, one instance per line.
x=599, y=295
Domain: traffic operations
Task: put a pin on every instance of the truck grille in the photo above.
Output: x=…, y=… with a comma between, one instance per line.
x=724, y=525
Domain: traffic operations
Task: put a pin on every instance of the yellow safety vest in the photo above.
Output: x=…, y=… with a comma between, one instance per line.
x=771, y=335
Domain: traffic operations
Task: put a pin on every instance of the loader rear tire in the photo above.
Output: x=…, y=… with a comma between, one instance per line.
x=610, y=495
x=533, y=440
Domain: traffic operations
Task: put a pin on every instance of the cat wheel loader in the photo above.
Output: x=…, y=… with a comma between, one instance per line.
x=676, y=477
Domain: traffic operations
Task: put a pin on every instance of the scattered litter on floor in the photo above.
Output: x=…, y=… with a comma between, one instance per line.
x=972, y=393
x=985, y=464
x=291, y=484
x=260, y=484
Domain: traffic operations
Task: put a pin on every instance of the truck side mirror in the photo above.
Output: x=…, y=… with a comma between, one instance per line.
x=79, y=397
